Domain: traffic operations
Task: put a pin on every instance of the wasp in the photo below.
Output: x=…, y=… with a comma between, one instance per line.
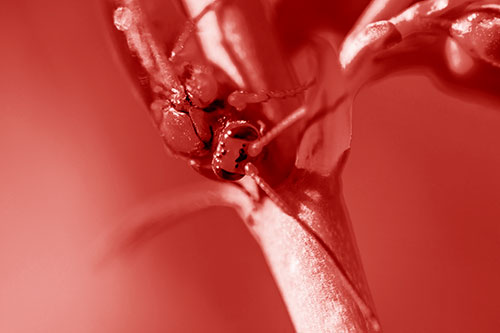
x=198, y=114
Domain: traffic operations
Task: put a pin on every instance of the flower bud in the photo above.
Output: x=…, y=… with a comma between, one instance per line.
x=479, y=34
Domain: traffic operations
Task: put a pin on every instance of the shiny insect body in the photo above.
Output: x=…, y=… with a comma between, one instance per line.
x=197, y=109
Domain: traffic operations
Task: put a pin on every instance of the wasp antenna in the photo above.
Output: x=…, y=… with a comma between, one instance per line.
x=299, y=113
x=130, y=20
x=256, y=148
x=290, y=92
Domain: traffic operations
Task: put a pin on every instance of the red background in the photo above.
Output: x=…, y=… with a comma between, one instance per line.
x=77, y=150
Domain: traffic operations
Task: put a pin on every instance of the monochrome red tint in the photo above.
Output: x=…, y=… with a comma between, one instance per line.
x=250, y=166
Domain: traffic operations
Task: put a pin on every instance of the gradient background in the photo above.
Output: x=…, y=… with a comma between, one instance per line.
x=77, y=151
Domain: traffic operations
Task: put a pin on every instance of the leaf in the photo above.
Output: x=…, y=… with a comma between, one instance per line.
x=150, y=218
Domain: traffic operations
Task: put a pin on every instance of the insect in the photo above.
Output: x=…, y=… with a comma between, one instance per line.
x=198, y=117
x=201, y=118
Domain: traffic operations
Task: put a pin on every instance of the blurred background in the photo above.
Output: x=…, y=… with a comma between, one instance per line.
x=77, y=151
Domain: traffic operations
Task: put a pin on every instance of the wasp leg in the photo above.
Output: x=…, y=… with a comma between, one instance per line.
x=239, y=98
x=252, y=171
x=189, y=29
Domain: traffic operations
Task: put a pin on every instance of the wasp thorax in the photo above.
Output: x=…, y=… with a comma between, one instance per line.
x=231, y=154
